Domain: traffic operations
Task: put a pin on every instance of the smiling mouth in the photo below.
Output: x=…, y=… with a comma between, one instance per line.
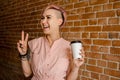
x=45, y=27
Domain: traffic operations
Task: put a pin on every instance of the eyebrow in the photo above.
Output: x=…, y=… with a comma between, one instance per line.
x=46, y=15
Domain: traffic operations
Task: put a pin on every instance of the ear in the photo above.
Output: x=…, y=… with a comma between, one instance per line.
x=60, y=21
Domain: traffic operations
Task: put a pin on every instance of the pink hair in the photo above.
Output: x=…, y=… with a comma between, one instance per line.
x=63, y=12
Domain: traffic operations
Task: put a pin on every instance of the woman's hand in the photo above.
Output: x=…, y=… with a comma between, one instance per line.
x=78, y=62
x=22, y=44
x=75, y=64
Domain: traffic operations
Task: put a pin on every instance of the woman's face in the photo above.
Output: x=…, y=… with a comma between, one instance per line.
x=51, y=21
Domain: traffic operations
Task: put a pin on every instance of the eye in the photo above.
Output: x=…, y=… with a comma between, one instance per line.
x=42, y=17
x=48, y=17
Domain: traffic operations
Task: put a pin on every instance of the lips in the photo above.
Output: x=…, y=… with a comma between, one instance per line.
x=45, y=27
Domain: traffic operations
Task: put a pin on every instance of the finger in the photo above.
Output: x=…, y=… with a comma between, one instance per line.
x=26, y=38
x=83, y=56
x=82, y=48
x=22, y=38
x=18, y=46
x=82, y=51
x=21, y=44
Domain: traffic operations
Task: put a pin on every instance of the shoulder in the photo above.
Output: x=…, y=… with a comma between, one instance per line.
x=65, y=42
x=35, y=42
x=66, y=45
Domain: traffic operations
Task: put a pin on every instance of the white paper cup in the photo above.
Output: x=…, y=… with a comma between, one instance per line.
x=76, y=46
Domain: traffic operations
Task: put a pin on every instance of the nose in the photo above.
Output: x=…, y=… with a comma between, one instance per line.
x=44, y=21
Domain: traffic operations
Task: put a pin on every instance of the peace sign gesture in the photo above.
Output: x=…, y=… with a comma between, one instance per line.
x=22, y=44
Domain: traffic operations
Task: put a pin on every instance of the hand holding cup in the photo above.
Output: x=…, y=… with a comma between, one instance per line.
x=76, y=47
x=78, y=53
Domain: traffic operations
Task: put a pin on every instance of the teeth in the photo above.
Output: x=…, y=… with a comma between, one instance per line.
x=45, y=26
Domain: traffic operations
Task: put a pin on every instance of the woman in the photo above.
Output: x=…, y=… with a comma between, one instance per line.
x=50, y=56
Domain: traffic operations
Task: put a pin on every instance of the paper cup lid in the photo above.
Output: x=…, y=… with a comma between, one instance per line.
x=77, y=41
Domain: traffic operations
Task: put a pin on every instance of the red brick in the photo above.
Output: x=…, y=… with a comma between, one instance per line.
x=112, y=72
x=112, y=65
x=95, y=2
x=103, y=35
x=102, y=42
x=105, y=50
x=85, y=78
x=73, y=1
x=118, y=12
x=86, y=41
x=85, y=35
x=84, y=22
x=111, y=57
x=86, y=73
x=86, y=47
x=93, y=28
x=81, y=10
x=95, y=75
x=77, y=23
x=73, y=17
x=82, y=67
x=88, y=16
x=101, y=63
x=98, y=8
x=113, y=35
x=116, y=5
x=111, y=28
x=93, y=21
x=86, y=60
x=94, y=55
x=92, y=61
x=112, y=78
x=107, y=7
x=95, y=48
x=69, y=24
x=102, y=21
x=81, y=4
x=65, y=29
x=94, y=35
x=113, y=21
x=104, y=77
x=113, y=0
x=88, y=9
x=94, y=68
x=65, y=35
x=114, y=50
x=71, y=35
x=73, y=12
x=77, y=36
x=116, y=43
x=76, y=29
x=105, y=14
x=68, y=7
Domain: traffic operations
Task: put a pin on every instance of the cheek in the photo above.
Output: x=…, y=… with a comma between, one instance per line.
x=51, y=23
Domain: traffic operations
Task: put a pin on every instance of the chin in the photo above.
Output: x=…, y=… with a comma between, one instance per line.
x=46, y=33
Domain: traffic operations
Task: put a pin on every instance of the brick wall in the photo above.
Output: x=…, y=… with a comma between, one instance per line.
x=95, y=22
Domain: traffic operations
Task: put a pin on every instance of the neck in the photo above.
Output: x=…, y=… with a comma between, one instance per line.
x=52, y=38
